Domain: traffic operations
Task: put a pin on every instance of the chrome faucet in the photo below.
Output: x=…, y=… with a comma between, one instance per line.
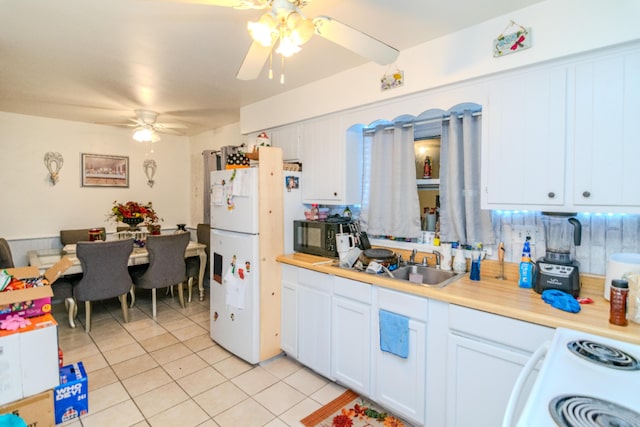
x=438, y=256
x=412, y=258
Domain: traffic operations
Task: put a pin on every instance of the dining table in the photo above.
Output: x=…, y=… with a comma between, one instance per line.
x=45, y=258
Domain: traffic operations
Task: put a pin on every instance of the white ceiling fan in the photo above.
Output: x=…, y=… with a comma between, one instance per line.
x=286, y=26
x=146, y=127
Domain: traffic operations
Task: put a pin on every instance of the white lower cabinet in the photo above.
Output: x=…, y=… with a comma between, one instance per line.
x=399, y=383
x=485, y=355
x=314, y=320
x=461, y=366
x=351, y=334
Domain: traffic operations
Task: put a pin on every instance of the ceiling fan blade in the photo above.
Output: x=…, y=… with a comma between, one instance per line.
x=237, y=4
x=355, y=40
x=167, y=130
x=253, y=62
x=162, y=126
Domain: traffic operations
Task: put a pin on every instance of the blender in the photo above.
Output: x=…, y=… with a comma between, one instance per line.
x=558, y=269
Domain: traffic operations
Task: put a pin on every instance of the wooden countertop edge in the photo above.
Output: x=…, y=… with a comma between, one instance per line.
x=501, y=297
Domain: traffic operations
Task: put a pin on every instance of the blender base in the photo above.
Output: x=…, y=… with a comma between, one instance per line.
x=563, y=277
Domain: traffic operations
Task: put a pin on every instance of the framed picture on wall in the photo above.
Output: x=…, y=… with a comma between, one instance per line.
x=100, y=170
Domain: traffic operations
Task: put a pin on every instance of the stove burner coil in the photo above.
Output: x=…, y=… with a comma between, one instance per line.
x=604, y=355
x=586, y=411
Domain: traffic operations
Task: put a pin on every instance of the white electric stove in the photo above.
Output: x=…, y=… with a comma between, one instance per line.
x=585, y=380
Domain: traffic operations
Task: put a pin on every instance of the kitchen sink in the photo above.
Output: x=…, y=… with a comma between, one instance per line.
x=424, y=275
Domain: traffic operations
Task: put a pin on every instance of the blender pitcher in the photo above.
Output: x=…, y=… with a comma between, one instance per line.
x=560, y=231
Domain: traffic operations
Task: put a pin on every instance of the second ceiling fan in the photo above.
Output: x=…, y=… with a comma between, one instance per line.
x=285, y=28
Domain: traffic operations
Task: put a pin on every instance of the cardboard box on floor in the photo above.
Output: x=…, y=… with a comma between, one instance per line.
x=36, y=410
x=34, y=294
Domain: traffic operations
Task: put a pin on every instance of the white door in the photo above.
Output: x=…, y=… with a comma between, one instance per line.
x=235, y=293
x=234, y=200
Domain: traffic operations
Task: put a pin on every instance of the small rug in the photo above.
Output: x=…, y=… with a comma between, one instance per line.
x=351, y=410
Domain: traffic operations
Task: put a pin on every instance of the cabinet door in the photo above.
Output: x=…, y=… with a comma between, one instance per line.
x=351, y=344
x=524, y=154
x=289, y=319
x=480, y=379
x=287, y=138
x=323, y=161
x=399, y=382
x=485, y=354
x=605, y=146
x=314, y=330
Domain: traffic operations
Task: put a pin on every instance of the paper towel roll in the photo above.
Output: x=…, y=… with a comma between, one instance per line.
x=618, y=265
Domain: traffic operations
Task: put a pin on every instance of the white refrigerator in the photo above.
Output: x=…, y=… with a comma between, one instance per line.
x=235, y=234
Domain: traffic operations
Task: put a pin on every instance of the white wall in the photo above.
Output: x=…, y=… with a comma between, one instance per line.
x=210, y=140
x=34, y=208
x=559, y=28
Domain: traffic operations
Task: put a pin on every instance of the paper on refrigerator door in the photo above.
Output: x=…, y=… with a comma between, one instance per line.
x=217, y=194
x=241, y=184
x=234, y=289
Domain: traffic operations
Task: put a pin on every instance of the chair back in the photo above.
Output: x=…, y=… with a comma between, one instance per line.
x=69, y=237
x=105, y=272
x=6, y=259
x=166, y=261
x=203, y=233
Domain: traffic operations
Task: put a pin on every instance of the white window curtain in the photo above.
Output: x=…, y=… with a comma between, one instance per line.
x=461, y=219
x=390, y=205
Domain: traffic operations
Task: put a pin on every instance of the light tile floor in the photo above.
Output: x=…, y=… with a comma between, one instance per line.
x=169, y=372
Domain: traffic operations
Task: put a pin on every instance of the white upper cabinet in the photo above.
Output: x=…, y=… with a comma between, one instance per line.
x=605, y=144
x=287, y=138
x=331, y=159
x=524, y=151
x=563, y=138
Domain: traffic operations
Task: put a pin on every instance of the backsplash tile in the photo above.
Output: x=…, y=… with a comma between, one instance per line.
x=602, y=235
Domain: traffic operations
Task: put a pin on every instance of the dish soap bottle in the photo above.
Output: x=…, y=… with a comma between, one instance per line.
x=526, y=266
x=347, y=212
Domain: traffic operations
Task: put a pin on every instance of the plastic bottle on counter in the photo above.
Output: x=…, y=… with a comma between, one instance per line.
x=526, y=266
x=459, y=261
x=347, y=212
x=618, y=302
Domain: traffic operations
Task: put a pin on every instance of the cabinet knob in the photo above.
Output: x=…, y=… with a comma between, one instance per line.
x=551, y=195
x=586, y=194
x=335, y=194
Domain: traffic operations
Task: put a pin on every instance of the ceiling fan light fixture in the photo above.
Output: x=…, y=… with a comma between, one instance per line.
x=301, y=29
x=145, y=134
x=264, y=30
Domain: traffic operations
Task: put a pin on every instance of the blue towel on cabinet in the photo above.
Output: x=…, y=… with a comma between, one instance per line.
x=394, y=333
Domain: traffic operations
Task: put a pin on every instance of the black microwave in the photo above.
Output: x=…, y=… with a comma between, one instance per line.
x=318, y=237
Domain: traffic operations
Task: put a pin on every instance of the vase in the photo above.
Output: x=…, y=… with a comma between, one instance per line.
x=133, y=222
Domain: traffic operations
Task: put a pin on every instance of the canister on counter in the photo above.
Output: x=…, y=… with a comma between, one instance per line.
x=618, y=302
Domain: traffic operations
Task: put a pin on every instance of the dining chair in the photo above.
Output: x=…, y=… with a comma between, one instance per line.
x=6, y=259
x=203, y=235
x=166, y=268
x=105, y=274
x=69, y=237
x=63, y=292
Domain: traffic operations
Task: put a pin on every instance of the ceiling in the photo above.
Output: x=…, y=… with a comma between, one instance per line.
x=98, y=60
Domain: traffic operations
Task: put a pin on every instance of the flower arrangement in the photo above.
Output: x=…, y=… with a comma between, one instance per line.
x=124, y=212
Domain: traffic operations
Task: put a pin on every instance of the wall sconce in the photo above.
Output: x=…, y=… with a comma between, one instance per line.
x=150, y=167
x=53, y=162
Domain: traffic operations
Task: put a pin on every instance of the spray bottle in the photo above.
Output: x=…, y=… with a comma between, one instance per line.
x=526, y=266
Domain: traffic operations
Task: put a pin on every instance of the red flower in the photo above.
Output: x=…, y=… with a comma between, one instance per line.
x=342, y=421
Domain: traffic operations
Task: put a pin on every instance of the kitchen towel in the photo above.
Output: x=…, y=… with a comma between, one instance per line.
x=561, y=300
x=394, y=333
